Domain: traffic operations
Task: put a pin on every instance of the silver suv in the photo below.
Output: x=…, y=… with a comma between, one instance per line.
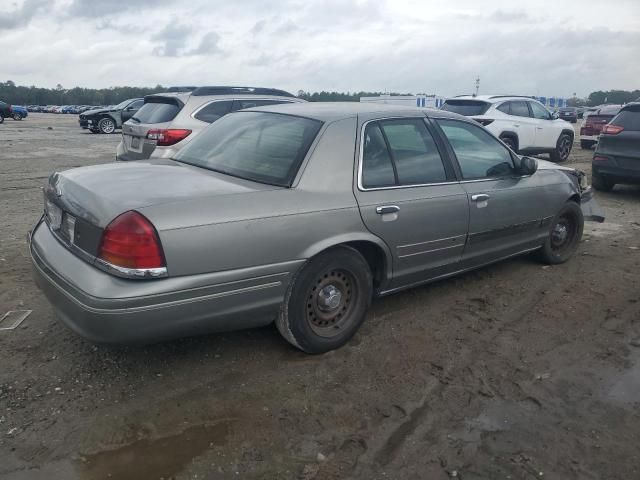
x=168, y=121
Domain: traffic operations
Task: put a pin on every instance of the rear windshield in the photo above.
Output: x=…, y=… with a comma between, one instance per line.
x=258, y=146
x=466, y=107
x=157, y=111
x=629, y=119
x=568, y=109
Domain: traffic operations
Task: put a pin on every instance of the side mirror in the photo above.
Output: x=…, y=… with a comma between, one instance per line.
x=528, y=166
x=555, y=116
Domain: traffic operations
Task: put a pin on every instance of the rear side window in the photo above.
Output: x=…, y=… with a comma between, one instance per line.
x=241, y=104
x=212, y=112
x=479, y=154
x=155, y=112
x=400, y=152
x=629, y=119
x=466, y=107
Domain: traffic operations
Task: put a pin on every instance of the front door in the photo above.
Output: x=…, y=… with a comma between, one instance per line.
x=408, y=196
x=508, y=213
x=547, y=131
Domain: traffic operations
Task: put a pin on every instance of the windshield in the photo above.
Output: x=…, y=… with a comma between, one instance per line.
x=121, y=105
x=259, y=146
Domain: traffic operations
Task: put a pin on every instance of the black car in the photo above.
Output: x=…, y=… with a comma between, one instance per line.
x=570, y=114
x=107, y=120
x=617, y=157
x=5, y=111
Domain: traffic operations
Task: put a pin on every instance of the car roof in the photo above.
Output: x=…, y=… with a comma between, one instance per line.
x=332, y=111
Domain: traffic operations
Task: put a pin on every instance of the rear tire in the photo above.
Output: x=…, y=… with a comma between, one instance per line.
x=326, y=301
x=563, y=148
x=601, y=184
x=564, y=236
x=586, y=144
x=1, y=119
x=17, y=116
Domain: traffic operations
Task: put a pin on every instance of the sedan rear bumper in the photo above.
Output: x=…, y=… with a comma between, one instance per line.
x=107, y=309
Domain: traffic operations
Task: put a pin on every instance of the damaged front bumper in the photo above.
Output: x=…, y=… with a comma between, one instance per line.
x=590, y=208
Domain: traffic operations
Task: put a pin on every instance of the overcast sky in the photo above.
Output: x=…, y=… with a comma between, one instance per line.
x=540, y=47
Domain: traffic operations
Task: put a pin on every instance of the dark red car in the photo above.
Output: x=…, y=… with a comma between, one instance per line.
x=593, y=123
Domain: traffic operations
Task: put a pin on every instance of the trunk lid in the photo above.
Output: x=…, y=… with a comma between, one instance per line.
x=98, y=194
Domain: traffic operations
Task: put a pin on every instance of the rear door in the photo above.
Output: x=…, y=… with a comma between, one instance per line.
x=409, y=197
x=520, y=122
x=131, y=109
x=508, y=213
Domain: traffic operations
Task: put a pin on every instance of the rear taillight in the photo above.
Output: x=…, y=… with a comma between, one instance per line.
x=131, y=245
x=484, y=121
x=612, y=129
x=165, y=137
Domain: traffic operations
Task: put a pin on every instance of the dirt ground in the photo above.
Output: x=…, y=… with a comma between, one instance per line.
x=515, y=371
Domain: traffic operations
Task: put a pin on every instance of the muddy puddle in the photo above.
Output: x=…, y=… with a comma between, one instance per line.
x=153, y=458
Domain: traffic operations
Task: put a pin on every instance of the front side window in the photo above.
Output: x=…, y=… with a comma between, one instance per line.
x=259, y=146
x=479, y=154
x=539, y=111
x=400, y=153
x=214, y=111
x=137, y=104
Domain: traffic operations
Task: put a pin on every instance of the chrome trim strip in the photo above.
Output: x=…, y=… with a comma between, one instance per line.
x=394, y=187
x=431, y=241
x=432, y=250
x=124, y=272
x=451, y=274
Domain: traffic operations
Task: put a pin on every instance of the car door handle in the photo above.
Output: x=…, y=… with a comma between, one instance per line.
x=383, y=209
x=539, y=128
x=516, y=125
x=480, y=197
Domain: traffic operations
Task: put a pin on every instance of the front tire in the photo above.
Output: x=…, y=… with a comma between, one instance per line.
x=563, y=148
x=17, y=116
x=327, y=301
x=564, y=235
x=1, y=119
x=106, y=125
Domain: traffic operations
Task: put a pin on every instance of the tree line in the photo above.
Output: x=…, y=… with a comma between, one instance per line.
x=22, y=95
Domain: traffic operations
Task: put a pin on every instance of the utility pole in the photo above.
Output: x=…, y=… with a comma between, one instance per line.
x=477, y=85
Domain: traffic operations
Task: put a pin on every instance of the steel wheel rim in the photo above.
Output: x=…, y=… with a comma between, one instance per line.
x=562, y=234
x=330, y=301
x=108, y=126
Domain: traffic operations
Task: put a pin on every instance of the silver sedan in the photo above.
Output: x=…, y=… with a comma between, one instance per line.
x=296, y=213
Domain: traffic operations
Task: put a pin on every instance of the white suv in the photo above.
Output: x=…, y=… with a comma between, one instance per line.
x=168, y=121
x=522, y=123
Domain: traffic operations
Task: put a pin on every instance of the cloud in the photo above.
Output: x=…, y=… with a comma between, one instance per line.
x=173, y=38
x=509, y=16
x=21, y=16
x=209, y=45
x=103, y=8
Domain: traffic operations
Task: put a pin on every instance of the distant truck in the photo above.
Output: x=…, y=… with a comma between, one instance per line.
x=432, y=101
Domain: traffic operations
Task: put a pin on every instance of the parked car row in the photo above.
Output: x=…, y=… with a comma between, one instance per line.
x=595, y=119
x=69, y=109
